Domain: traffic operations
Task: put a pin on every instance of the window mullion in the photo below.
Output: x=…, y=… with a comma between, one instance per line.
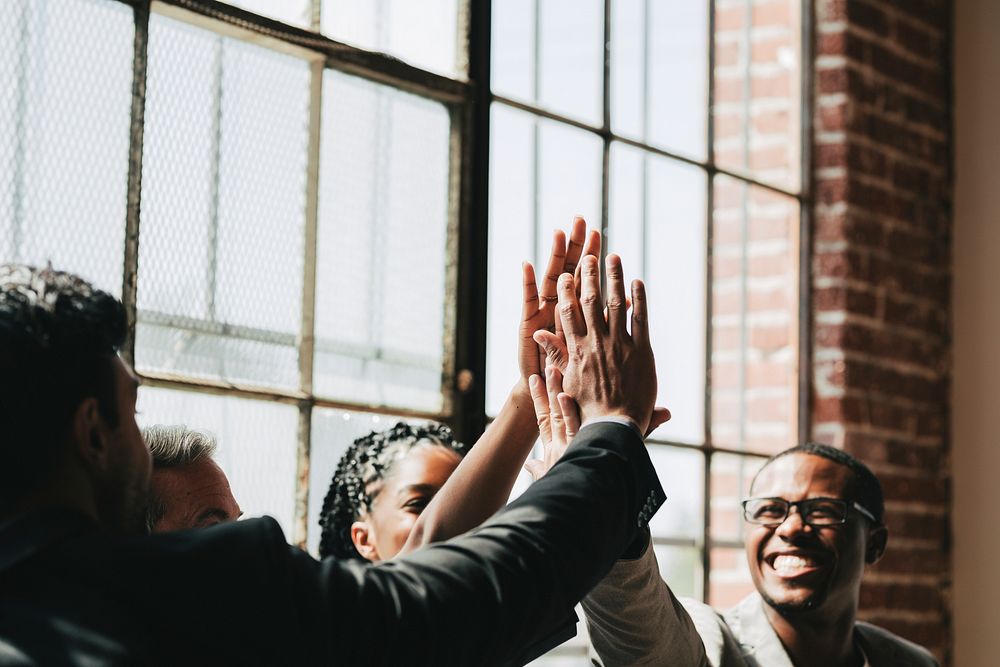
x=134, y=187
x=307, y=337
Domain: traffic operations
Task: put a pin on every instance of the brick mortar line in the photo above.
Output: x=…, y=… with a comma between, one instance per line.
x=880, y=253
x=856, y=210
x=925, y=130
x=906, y=18
x=868, y=288
x=871, y=431
x=903, y=87
x=917, y=507
x=894, y=46
x=940, y=204
x=881, y=325
x=841, y=136
x=879, y=361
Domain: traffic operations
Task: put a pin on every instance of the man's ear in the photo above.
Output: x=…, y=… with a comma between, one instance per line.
x=363, y=538
x=88, y=438
x=878, y=536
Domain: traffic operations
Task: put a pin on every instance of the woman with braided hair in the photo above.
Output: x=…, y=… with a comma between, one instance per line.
x=382, y=484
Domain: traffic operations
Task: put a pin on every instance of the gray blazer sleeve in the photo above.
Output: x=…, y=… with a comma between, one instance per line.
x=634, y=619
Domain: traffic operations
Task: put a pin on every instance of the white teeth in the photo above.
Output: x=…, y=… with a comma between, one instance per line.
x=792, y=564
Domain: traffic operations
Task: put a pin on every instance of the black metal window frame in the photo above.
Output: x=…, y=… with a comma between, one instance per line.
x=469, y=104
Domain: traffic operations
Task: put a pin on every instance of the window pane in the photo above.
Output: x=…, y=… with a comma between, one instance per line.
x=333, y=431
x=758, y=81
x=681, y=474
x=257, y=444
x=659, y=78
x=65, y=104
x=382, y=257
x=729, y=578
x=657, y=225
x=551, y=54
x=535, y=188
x=754, y=318
x=731, y=478
x=223, y=200
x=681, y=568
x=292, y=12
x=422, y=33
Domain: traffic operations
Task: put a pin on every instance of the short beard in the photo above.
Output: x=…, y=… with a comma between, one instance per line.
x=788, y=609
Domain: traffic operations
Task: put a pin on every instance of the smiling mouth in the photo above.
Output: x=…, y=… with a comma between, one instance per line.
x=792, y=566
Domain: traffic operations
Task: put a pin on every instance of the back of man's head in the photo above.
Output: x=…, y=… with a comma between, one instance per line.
x=58, y=338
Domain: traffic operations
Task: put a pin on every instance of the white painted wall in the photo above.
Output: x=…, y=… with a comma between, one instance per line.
x=976, y=347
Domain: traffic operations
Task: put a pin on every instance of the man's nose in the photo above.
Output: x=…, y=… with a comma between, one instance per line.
x=793, y=524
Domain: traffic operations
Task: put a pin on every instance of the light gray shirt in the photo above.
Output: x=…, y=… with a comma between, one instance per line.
x=634, y=619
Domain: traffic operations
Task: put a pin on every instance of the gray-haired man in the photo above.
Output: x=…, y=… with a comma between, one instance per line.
x=188, y=488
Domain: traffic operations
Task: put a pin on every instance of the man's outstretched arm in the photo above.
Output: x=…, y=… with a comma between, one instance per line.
x=481, y=598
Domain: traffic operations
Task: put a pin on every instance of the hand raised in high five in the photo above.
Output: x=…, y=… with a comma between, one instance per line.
x=558, y=420
x=610, y=372
x=538, y=311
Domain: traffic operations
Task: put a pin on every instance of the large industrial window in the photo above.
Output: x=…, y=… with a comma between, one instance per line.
x=291, y=197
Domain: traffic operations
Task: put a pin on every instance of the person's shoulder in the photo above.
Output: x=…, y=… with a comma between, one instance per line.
x=904, y=652
x=244, y=545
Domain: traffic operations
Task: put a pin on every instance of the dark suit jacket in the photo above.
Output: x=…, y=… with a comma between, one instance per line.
x=239, y=594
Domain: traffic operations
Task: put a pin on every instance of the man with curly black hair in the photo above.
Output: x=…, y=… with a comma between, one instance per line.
x=382, y=483
x=76, y=588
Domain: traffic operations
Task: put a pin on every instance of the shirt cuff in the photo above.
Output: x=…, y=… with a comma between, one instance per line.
x=614, y=419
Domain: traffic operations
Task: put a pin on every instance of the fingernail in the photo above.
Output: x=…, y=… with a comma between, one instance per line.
x=533, y=381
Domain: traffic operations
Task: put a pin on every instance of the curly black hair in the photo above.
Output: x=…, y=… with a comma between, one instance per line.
x=58, y=338
x=354, y=486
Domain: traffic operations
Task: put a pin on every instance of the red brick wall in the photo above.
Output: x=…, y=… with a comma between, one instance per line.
x=757, y=121
x=881, y=276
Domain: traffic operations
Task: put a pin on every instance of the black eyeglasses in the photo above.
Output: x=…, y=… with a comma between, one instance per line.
x=814, y=511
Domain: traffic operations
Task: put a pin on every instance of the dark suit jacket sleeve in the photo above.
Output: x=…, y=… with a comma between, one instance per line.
x=480, y=599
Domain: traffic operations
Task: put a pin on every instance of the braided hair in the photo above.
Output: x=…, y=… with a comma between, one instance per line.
x=366, y=462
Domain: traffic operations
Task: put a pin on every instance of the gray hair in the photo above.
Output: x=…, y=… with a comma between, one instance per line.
x=172, y=446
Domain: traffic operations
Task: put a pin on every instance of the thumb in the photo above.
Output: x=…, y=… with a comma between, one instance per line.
x=659, y=417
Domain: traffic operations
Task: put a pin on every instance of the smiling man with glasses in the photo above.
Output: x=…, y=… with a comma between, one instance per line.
x=814, y=521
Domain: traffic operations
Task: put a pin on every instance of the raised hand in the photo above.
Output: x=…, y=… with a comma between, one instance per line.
x=558, y=420
x=609, y=371
x=539, y=304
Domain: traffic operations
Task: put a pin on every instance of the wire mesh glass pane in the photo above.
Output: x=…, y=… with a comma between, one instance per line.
x=659, y=77
x=292, y=12
x=729, y=578
x=257, y=444
x=382, y=267
x=731, y=478
x=681, y=472
x=422, y=33
x=550, y=53
x=223, y=202
x=681, y=568
x=758, y=84
x=657, y=225
x=754, y=317
x=65, y=105
x=542, y=173
x=333, y=431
